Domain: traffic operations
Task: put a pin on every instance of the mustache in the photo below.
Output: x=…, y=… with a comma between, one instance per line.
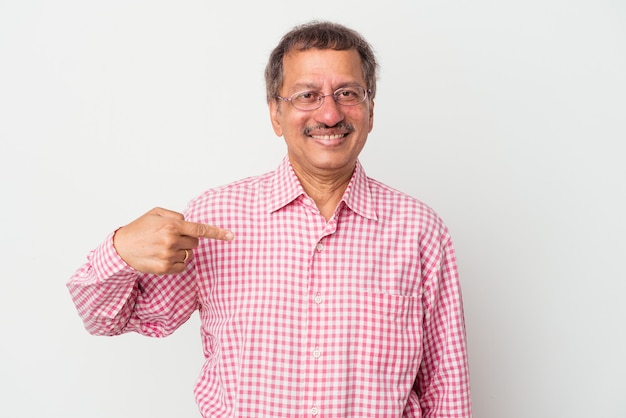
x=345, y=126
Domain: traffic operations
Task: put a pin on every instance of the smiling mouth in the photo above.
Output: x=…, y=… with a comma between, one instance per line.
x=328, y=137
x=329, y=133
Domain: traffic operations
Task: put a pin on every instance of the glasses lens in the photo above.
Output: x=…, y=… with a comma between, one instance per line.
x=350, y=96
x=306, y=100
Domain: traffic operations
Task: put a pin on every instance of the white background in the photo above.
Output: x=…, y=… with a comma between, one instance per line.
x=507, y=117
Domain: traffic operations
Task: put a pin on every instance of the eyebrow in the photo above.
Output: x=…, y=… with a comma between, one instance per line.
x=311, y=86
x=304, y=86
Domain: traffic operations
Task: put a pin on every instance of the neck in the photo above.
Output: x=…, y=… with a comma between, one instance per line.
x=325, y=190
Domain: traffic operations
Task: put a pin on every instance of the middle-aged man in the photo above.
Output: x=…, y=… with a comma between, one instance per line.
x=321, y=291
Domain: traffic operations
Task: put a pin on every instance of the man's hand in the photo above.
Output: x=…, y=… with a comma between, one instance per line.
x=161, y=241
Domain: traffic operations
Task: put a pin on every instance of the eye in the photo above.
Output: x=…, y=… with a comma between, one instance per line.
x=306, y=97
x=349, y=95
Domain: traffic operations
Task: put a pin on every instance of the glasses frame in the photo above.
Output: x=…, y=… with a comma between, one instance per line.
x=322, y=97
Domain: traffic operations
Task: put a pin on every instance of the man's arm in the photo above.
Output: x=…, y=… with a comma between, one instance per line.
x=142, y=278
x=442, y=384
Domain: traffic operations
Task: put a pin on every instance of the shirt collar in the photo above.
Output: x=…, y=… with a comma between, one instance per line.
x=286, y=188
x=358, y=195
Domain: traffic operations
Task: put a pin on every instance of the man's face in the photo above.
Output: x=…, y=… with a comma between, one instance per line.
x=328, y=140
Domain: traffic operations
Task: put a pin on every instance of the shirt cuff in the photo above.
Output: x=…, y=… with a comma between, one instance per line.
x=107, y=263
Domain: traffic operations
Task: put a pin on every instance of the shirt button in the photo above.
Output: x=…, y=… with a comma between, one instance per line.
x=318, y=298
x=317, y=353
x=319, y=247
x=307, y=201
x=315, y=410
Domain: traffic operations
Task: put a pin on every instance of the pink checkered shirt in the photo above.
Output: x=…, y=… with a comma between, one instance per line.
x=360, y=316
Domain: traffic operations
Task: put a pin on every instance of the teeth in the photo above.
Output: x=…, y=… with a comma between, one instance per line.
x=327, y=137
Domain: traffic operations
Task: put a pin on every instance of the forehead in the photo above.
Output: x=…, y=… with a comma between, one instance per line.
x=320, y=68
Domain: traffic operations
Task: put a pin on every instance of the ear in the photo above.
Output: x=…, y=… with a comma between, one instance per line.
x=275, y=116
x=371, y=115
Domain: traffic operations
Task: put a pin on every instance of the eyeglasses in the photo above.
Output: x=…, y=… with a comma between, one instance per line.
x=311, y=100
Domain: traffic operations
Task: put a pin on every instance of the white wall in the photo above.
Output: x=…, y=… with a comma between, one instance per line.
x=507, y=117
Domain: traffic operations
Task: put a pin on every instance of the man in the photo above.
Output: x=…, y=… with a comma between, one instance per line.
x=321, y=292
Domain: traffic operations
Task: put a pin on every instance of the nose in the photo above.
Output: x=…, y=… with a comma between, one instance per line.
x=330, y=112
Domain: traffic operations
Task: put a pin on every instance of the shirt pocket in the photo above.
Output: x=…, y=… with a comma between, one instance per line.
x=384, y=333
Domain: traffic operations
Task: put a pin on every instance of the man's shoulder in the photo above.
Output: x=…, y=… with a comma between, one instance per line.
x=385, y=193
x=397, y=206
x=247, y=187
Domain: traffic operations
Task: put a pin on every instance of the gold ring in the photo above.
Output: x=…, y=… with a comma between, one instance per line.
x=186, y=256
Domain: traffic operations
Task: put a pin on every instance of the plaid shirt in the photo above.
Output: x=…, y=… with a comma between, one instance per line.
x=360, y=316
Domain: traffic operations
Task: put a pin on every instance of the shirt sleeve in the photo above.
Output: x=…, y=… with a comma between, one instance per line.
x=442, y=384
x=112, y=298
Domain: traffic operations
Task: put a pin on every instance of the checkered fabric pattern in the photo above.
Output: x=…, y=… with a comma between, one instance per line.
x=360, y=316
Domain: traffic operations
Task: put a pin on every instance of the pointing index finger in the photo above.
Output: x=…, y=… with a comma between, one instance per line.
x=198, y=230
